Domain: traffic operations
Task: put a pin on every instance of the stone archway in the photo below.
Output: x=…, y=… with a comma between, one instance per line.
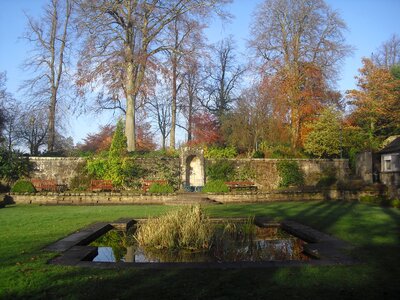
x=192, y=165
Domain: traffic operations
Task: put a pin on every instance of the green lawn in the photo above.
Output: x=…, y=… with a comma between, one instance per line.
x=24, y=230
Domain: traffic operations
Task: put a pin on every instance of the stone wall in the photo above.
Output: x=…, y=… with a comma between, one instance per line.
x=392, y=181
x=173, y=199
x=62, y=169
x=265, y=174
x=262, y=171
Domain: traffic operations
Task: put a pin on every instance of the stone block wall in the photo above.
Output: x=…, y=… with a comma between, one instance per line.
x=265, y=174
x=62, y=169
x=262, y=171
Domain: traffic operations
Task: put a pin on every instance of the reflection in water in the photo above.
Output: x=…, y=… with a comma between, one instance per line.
x=231, y=244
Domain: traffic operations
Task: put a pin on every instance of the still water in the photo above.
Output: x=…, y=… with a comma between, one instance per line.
x=263, y=244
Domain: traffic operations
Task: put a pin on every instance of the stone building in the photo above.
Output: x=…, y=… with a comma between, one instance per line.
x=390, y=167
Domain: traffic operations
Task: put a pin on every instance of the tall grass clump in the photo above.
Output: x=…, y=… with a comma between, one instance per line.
x=186, y=228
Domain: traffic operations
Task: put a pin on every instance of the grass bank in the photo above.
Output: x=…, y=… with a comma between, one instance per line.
x=25, y=230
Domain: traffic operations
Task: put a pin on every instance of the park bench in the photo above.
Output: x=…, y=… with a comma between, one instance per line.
x=146, y=184
x=241, y=185
x=101, y=185
x=49, y=185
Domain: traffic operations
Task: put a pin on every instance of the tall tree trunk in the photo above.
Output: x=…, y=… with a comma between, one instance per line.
x=130, y=109
x=295, y=128
x=163, y=142
x=173, y=104
x=190, y=116
x=52, y=123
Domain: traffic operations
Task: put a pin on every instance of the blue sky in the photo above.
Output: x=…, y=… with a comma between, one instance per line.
x=370, y=23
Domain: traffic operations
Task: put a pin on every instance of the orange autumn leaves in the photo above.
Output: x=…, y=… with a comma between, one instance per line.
x=376, y=102
x=297, y=95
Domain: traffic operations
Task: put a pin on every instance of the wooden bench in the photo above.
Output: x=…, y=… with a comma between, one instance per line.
x=241, y=185
x=101, y=185
x=146, y=184
x=49, y=185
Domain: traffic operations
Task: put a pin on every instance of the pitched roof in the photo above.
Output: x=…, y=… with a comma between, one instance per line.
x=393, y=146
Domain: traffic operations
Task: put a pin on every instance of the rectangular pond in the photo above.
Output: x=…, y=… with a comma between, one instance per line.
x=233, y=242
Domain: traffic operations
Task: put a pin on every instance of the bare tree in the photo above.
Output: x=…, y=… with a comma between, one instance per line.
x=9, y=111
x=291, y=37
x=32, y=129
x=223, y=79
x=193, y=82
x=160, y=108
x=122, y=39
x=388, y=54
x=186, y=39
x=49, y=37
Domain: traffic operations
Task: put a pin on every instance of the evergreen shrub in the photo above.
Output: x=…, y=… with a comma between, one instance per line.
x=215, y=186
x=157, y=188
x=23, y=186
x=290, y=173
x=221, y=170
x=258, y=154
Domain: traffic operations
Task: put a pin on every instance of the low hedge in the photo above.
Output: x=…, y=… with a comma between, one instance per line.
x=157, y=188
x=23, y=186
x=215, y=186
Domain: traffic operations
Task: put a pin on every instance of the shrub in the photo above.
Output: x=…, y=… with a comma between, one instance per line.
x=114, y=165
x=258, y=154
x=221, y=170
x=23, y=186
x=215, y=152
x=13, y=166
x=278, y=151
x=81, y=182
x=328, y=177
x=215, y=186
x=157, y=188
x=156, y=153
x=290, y=173
x=244, y=173
x=374, y=199
x=187, y=228
x=326, y=181
x=395, y=203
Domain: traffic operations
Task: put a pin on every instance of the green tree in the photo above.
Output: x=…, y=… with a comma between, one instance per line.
x=325, y=139
x=118, y=145
x=115, y=166
x=12, y=166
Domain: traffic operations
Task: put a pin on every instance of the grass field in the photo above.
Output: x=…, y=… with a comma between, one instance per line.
x=374, y=231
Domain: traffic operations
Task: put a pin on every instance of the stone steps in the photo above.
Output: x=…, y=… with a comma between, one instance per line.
x=192, y=199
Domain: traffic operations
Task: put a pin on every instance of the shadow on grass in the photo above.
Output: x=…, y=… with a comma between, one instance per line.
x=373, y=230
x=284, y=283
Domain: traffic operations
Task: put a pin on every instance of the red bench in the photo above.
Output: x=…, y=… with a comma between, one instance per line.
x=146, y=184
x=101, y=185
x=241, y=185
x=49, y=185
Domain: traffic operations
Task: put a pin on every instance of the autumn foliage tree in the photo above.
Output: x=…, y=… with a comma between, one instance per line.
x=376, y=102
x=100, y=141
x=299, y=44
x=122, y=40
x=205, y=129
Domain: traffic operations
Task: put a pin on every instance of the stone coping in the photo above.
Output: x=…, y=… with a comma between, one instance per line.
x=75, y=251
x=128, y=193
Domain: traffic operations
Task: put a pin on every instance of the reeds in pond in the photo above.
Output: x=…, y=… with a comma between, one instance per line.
x=185, y=228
